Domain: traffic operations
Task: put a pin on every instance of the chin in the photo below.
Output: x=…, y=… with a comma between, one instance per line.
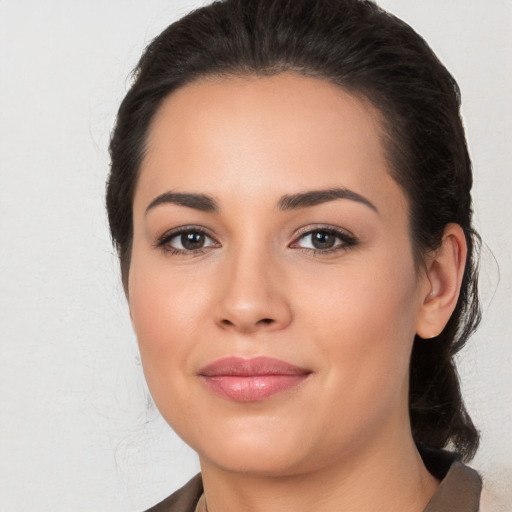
x=256, y=462
x=259, y=450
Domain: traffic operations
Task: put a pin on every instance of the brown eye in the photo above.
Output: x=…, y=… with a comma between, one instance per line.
x=192, y=240
x=322, y=239
x=188, y=240
x=325, y=240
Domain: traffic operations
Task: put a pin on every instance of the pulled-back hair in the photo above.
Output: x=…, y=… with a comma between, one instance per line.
x=370, y=54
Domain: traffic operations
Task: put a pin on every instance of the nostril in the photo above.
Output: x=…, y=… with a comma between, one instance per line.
x=247, y=324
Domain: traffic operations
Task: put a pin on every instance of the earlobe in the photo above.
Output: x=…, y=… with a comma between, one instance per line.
x=443, y=273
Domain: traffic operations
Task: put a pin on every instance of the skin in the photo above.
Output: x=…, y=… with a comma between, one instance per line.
x=341, y=440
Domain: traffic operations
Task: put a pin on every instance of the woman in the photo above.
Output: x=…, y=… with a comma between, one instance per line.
x=290, y=199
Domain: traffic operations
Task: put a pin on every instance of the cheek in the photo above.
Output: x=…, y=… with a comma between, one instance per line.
x=165, y=311
x=364, y=320
x=163, y=303
x=165, y=314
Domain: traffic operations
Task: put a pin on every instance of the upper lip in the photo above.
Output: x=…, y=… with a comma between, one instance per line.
x=240, y=367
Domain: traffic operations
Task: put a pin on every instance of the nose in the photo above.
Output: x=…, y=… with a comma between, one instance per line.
x=252, y=296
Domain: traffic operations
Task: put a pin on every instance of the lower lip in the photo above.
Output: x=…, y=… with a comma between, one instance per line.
x=252, y=388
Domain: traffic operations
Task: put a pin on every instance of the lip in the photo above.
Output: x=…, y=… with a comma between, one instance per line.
x=251, y=380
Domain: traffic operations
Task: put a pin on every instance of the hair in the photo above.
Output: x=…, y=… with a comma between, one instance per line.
x=374, y=56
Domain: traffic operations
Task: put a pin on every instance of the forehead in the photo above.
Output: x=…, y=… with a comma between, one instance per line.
x=260, y=135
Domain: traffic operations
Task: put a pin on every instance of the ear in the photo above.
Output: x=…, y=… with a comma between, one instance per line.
x=443, y=277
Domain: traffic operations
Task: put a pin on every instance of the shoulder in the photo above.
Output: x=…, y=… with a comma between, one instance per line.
x=183, y=500
x=459, y=491
x=460, y=487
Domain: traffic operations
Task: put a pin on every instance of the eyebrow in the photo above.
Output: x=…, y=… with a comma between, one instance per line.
x=200, y=202
x=298, y=201
x=315, y=197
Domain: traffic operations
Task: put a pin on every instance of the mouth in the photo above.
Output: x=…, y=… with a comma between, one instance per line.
x=251, y=380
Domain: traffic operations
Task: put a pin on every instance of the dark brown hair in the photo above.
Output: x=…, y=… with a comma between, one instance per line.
x=374, y=55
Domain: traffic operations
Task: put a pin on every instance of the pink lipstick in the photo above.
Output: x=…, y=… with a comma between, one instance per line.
x=251, y=380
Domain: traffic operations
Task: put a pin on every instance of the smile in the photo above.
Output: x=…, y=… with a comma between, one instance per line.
x=251, y=380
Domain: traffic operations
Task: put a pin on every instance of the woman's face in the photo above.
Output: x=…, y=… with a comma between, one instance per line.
x=267, y=227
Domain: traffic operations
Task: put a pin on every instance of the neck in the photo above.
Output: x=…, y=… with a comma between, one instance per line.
x=376, y=478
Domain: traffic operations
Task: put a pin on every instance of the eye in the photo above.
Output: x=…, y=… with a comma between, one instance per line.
x=324, y=240
x=186, y=240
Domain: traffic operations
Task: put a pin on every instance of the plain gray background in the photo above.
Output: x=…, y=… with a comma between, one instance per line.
x=76, y=430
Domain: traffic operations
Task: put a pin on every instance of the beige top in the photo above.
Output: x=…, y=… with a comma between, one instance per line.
x=459, y=491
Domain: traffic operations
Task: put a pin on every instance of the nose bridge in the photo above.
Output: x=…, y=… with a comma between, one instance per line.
x=252, y=297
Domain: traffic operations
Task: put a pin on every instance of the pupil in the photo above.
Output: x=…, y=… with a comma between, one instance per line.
x=192, y=241
x=323, y=240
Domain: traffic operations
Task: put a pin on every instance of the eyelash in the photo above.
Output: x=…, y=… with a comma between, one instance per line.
x=347, y=240
x=164, y=241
